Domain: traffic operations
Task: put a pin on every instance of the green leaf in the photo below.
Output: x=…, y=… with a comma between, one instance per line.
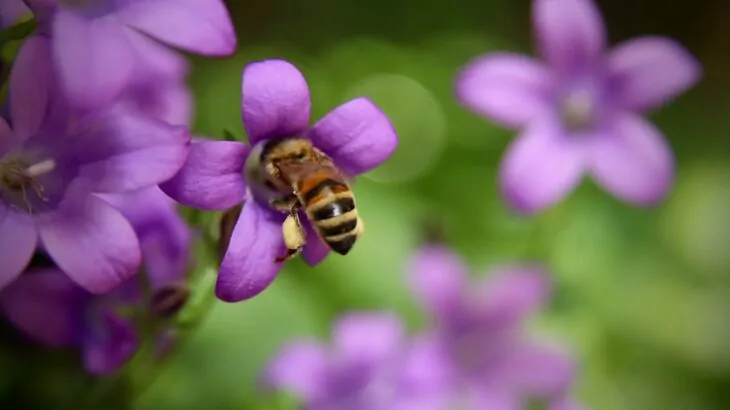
x=230, y=136
x=17, y=32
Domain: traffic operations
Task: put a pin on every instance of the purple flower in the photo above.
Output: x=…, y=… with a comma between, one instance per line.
x=99, y=45
x=53, y=310
x=370, y=366
x=580, y=111
x=53, y=160
x=479, y=328
x=356, y=135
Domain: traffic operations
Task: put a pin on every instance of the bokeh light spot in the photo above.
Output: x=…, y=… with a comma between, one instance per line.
x=417, y=117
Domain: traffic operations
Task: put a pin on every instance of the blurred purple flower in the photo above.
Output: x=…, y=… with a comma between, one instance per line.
x=276, y=104
x=51, y=162
x=580, y=111
x=100, y=45
x=51, y=309
x=479, y=327
x=370, y=366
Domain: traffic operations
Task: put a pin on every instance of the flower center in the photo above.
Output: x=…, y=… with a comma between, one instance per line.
x=20, y=186
x=579, y=110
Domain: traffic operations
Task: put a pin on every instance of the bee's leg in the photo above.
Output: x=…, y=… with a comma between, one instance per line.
x=294, y=236
x=286, y=204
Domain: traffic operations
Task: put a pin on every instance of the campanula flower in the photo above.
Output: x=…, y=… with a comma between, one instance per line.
x=276, y=104
x=99, y=45
x=478, y=326
x=371, y=365
x=51, y=309
x=11, y=11
x=53, y=159
x=579, y=111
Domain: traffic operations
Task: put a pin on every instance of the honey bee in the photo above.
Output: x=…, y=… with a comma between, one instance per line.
x=307, y=179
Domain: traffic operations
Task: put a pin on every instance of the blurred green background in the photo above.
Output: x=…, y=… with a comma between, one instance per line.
x=641, y=295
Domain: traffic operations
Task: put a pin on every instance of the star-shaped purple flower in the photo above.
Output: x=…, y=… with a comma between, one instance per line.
x=356, y=135
x=51, y=309
x=370, y=366
x=99, y=45
x=479, y=328
x=580, y=111
x=54, y=159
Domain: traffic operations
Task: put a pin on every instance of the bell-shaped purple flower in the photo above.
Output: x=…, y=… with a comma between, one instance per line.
x=11, y=11
x=478, y=325
x=54, y=158
x=356, y=135
x=99, y=45
x=579, y=112
x=51, y=309
x=370, y=366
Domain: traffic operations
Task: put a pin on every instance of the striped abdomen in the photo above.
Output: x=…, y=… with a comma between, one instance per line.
x=330, y=206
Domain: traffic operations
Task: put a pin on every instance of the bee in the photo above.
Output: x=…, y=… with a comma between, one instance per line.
x=308, y=180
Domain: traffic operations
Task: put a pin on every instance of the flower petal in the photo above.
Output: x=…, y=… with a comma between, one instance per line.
x=124, y=151
x=508, y=88
x=565, y=403
x=633, y=161
x=570, y=33
x=30, y=82
x=357, y=135
x=367, y=337
x=113, y=345
x=91, y=242
x=539, y=371
x=275, y=101
x=47, y=306
x=540, y=168
x=18, y=239
x=437, y=278
x=211, y=178
x=513, y=292
x=300, y=368
x=248, y=266
x=201, y=26
x=315, y=250
x=647, y=72
x=11, y=11
x=427, y=370
x=93, y=57
x=6, y=136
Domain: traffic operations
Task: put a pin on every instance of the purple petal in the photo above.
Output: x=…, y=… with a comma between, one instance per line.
x=570, y=33
x=437, y=278
x=427, y=370
x=248, y=266
x=633, y=161
x=368, y=338
x=647, y=72
x=211, y=178
x=110, y=344
x=11, y=11
x=540, y=167
x=154, y=60
x=201, y=26
x=6, y=136
x=357, y=135
x=30, y=82
x=124, y=151
x=300, y=368
x=47, y=306
x=93, y=56
x=91, y=242
x=508, y=88
x=540, y=371
x=514, y=292
x=275, y=101
x=315, y=250
x=163, y=234
x=18, y=238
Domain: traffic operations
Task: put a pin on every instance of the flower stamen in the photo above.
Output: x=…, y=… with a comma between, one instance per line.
x=17, y=178
x=578, y=110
